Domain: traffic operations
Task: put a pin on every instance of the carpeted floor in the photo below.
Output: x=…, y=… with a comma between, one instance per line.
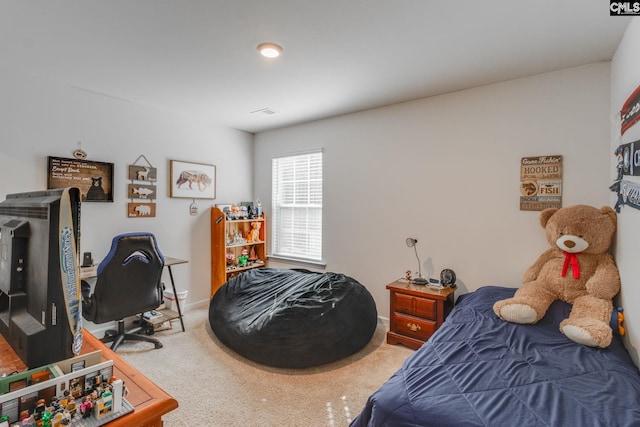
x=216, y=387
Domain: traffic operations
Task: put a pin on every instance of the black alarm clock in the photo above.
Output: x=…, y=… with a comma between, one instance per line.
x=448, y=278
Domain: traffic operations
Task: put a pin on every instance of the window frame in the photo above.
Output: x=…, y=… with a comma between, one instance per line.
x=312, y=196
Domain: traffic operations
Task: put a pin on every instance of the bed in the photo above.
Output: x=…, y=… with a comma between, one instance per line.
x=478, y=370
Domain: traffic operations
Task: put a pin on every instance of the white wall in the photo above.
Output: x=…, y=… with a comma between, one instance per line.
x=41, y=118
x=445, y=170
x=625, y=78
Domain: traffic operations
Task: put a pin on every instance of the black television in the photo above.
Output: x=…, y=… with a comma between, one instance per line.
x=40, y=308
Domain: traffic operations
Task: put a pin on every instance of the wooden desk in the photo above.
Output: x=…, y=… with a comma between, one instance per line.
x=168, y=262
x=90, y=272
x=150, y=402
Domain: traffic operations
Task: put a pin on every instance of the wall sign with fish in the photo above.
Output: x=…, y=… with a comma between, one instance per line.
x=142, y=189
x=540, y=182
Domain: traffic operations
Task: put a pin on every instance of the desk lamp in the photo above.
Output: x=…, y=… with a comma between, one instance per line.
x=411, y=242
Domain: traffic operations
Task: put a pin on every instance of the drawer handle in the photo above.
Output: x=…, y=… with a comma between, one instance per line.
x=413, y=327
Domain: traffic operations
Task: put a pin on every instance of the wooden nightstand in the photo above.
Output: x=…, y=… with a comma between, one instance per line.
x=416, y=312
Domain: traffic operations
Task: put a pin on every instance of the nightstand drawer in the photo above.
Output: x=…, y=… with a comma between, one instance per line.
x=425, y=308
x=413, y=326
x=416, y=306
x=403, y=303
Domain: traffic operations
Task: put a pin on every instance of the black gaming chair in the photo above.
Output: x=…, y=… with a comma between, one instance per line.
x=128, y=283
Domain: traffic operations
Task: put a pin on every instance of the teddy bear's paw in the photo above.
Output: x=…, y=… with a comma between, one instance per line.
x=589, y=332
x=518, y=313
x=579, y=335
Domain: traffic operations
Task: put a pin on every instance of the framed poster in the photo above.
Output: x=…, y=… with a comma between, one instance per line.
x=540, y=183
x=94, y=179
x=192, y=180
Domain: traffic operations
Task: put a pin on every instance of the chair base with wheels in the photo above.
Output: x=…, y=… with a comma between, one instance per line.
x=116, y=337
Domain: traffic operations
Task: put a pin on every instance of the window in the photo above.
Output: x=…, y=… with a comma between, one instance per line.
x=296, y=189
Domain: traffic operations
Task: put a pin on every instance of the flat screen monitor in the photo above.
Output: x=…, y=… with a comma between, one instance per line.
x=39, y=275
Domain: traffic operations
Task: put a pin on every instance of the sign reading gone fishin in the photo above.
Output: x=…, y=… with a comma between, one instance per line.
x=540, y=183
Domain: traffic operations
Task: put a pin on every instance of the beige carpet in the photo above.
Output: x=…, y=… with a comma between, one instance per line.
x=216, y=387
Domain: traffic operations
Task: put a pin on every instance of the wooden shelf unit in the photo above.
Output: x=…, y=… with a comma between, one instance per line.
x=222, y=234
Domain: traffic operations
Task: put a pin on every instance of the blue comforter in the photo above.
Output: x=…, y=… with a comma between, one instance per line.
x=478, y=370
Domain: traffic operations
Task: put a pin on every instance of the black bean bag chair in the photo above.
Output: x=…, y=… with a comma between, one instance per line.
x=293, y=318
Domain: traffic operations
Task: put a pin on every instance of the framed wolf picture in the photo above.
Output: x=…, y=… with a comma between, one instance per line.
x=192, y=180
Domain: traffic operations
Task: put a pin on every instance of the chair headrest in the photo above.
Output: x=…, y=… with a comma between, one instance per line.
x=134, y=255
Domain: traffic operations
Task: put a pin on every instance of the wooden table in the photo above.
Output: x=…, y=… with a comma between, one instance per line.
x=168, y=262
x=150, y=402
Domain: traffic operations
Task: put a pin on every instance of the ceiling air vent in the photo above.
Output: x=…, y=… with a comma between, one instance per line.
x=264, y=112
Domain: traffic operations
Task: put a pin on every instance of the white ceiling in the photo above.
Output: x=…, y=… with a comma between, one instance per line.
x=199, y=57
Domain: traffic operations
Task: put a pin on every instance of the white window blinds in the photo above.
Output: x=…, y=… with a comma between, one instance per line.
x=297, y=206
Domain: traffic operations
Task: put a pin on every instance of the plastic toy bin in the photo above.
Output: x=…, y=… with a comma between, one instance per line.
x=170, y=299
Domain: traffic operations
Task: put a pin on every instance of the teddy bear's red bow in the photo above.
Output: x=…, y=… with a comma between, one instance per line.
x=575, y=265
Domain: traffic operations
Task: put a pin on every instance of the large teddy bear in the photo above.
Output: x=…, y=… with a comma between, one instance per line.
x=577, y=269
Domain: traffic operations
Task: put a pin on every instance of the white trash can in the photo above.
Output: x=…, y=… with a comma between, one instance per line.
x=170, y=299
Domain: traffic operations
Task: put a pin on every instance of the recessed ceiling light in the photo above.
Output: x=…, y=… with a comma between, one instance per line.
x=269, y=50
